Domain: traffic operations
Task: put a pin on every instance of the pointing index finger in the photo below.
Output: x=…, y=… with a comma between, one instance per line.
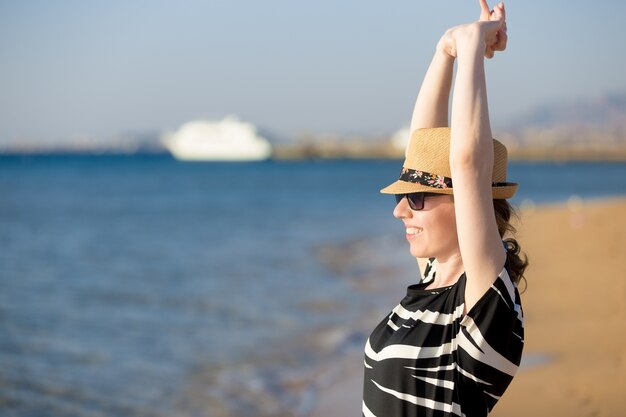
x=484, y=8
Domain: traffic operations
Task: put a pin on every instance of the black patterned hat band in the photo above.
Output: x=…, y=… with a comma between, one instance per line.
x=425, y=178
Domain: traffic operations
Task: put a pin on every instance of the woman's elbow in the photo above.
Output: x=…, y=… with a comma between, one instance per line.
x=477, y=163
x=469, y=158
x=471, y=154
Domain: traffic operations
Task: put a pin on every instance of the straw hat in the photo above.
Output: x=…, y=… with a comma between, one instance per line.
x=427, y=166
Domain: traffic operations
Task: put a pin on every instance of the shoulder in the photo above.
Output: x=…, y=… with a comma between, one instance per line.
x=502, y=293
x=497, y=317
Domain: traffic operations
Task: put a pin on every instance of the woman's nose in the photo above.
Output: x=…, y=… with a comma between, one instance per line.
x=402, y=210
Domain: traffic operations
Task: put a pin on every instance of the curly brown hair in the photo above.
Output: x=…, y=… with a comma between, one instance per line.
x=518, y=261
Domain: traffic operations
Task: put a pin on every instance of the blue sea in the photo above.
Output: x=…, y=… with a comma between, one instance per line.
x=144, y=286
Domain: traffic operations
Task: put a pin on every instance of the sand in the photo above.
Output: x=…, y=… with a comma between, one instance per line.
x=575, y=312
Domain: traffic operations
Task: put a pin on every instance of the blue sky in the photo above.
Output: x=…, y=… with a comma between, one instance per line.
x=101, y=69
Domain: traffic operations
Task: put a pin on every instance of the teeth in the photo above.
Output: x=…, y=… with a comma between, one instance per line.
x=413, y=231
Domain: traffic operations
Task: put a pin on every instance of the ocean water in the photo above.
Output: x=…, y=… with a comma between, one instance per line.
x=143, y=286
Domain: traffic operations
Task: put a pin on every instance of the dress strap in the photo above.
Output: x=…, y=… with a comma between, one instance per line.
x=429, y=271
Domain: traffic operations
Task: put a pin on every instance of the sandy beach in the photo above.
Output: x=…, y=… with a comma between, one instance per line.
x=574, y=307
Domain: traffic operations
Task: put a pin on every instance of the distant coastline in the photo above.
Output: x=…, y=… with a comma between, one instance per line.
x=378, y=150
x=349, y=149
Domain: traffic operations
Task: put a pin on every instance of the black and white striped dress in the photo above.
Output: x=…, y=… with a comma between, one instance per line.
x=428, y=359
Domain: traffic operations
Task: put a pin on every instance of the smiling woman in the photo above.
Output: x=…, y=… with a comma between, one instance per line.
x=454, y=342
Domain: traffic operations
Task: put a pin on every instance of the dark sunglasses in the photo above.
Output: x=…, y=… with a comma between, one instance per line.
x=416, y=200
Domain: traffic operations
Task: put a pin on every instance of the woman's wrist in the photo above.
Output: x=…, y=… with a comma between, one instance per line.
x=468, y=38
x=444, y=53
x=469, y=41
x=471, y=47
x=446, y=48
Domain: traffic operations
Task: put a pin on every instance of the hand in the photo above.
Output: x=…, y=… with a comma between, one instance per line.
x=497, y=14
x=490, y=28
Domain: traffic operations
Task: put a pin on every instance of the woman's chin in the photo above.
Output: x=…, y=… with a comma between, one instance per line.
x=416, y=252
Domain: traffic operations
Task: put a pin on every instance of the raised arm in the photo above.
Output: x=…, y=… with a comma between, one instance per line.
x=431, y=106
x=471, y=155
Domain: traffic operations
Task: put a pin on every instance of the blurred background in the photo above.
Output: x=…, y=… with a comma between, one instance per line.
x=190, y=221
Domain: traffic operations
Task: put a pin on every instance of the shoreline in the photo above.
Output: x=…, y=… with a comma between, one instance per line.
x=577, y=359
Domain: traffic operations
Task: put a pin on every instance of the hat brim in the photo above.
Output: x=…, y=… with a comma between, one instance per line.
x=404, y=187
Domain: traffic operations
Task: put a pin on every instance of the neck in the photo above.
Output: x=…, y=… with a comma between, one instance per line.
x=448, y=271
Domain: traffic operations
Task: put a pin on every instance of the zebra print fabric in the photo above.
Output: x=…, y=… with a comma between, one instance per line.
x=428, y=359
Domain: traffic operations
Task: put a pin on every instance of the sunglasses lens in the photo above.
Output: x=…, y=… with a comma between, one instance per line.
x=415, y=200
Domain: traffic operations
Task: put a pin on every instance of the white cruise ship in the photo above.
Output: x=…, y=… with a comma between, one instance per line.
x=227, y=140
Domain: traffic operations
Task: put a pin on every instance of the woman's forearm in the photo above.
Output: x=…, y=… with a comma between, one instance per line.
x=431, y=106
x=471, y=131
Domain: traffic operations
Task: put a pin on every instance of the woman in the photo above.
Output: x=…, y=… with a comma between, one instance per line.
x=454, y=343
